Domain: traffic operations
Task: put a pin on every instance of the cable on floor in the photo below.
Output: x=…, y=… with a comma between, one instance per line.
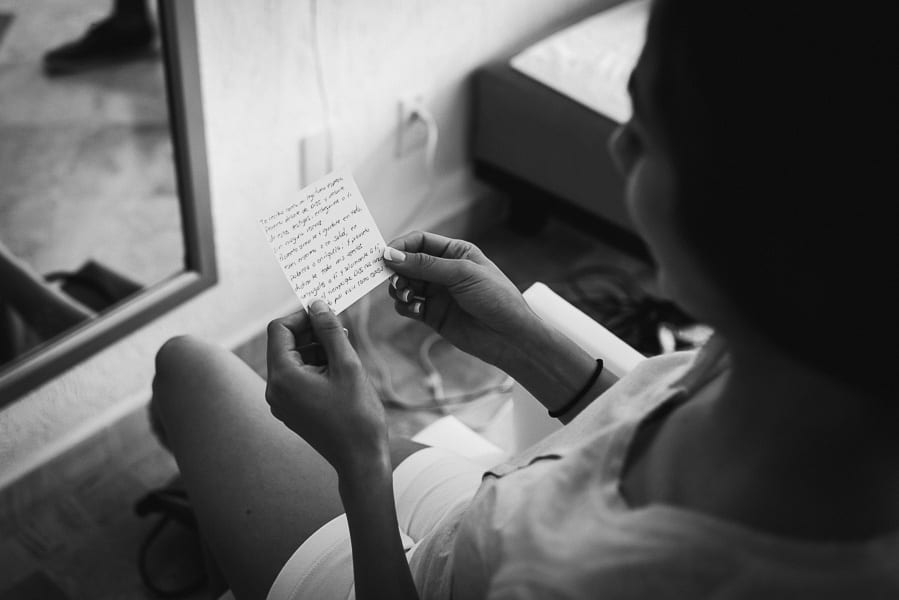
x=430, y=164
x=650, y=324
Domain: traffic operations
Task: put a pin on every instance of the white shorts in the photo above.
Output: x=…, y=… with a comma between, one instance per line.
x=428, y=485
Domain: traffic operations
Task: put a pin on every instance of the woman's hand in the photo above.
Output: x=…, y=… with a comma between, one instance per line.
x=450, y=285
x=336, y=410
x=332, y=406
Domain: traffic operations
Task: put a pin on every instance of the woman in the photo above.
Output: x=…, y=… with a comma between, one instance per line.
x=763, y=466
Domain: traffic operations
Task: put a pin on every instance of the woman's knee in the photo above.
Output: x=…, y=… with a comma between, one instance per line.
x=175, y=354
x=178, y=364
x=175, y=349
x=177, y=361
x=187, y=366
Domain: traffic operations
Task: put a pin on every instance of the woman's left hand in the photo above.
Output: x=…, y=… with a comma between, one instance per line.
x=334, y=407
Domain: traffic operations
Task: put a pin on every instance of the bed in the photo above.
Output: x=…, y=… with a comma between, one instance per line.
x=542, y=119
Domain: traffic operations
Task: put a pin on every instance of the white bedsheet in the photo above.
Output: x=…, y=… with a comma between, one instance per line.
x=590, y=62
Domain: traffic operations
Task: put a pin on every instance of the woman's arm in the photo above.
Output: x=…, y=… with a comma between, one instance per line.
x=334, y=407
x=379, y=561
x=554, y=369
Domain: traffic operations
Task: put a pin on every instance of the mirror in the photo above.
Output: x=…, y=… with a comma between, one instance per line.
x=104, y=202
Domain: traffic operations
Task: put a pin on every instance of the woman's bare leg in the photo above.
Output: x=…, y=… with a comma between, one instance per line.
x=257, y=488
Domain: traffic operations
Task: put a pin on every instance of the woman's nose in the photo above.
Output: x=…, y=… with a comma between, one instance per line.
x=620, y=150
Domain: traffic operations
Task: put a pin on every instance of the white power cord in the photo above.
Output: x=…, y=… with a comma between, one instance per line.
x=382, y=371
x=433, y=381
x=439, y=400
x=320, y=84
x=384, y=382
x=422, y=114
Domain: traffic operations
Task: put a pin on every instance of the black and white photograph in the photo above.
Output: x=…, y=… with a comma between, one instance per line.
x=414, y=299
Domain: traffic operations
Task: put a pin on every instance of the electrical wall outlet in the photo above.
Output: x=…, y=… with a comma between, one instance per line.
x=314, y=157
x=411, y=131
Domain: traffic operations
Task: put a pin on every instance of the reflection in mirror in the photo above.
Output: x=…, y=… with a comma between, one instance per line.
x=89, y=208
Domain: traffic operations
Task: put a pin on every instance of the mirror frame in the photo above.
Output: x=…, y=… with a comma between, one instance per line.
x=178, y=42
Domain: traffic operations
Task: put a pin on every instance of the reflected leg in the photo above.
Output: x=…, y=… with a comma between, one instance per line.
x=257, y=488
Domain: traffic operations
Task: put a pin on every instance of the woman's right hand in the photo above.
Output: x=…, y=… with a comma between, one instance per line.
x=456, y=290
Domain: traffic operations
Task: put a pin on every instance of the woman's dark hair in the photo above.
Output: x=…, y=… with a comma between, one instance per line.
x=780, y=119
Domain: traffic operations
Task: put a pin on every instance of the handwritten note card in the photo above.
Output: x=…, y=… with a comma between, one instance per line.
x=327, y=243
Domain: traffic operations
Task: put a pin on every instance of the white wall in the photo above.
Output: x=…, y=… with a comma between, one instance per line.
x=261, y=97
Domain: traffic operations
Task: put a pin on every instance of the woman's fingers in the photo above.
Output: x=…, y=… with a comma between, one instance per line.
x=405, y=298
x=428, y=268
x=437, y=245
x=282, y=339
x=332, y=336
x=399, y=284
x=421, y=241
x=413, y=310
x=405, y=295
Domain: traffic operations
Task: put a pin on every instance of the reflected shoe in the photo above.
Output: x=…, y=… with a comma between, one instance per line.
x=106, y=43
x=171, y=559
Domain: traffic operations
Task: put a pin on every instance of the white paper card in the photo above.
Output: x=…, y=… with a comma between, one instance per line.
x=327, y=243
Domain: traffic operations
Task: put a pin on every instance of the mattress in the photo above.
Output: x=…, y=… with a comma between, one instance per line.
x=533, y=121
x=591, y=61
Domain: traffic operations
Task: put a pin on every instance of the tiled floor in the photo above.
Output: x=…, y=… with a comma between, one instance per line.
x=82, y=149
x=83, y=539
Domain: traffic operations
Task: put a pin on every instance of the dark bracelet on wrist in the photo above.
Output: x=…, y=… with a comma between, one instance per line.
x=555, y=414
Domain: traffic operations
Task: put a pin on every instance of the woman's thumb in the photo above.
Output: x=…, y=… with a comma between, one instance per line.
x=330, y=334
x=426, y=267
